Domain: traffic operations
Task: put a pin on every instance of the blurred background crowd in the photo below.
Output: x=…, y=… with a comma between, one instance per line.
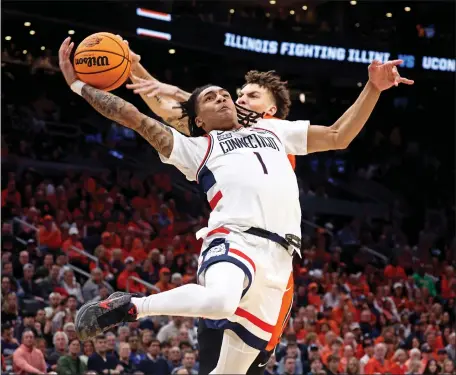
x=88, y=209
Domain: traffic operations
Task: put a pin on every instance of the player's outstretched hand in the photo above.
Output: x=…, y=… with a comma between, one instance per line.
x=64, y=61
x=135, y=58
x=151, y=88
x=384, y=76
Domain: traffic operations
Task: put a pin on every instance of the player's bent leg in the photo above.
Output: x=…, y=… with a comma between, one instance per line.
x=218, y=299
x=236, y=356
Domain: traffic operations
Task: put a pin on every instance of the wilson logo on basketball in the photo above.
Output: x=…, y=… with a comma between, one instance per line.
x=93, y=61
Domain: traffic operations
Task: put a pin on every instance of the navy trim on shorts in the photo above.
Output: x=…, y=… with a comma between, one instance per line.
x=244, y=334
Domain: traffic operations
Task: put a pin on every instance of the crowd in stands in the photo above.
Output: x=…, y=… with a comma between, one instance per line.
x=350, y=316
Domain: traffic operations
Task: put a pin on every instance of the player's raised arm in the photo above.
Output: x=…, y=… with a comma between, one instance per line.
x=162, y=99
x=348, y=126
x=111, y=106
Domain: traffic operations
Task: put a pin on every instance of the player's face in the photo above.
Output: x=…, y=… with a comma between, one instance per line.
x=216, y=110
x=257, y=98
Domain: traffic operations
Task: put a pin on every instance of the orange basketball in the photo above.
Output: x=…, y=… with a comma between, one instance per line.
x=103, y=61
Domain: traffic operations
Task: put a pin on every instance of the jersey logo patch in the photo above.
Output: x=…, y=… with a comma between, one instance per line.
x=216, y=251
x=222, y=135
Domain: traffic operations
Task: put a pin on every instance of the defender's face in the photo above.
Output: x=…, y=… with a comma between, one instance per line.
x=257, y=98
x=216, y=109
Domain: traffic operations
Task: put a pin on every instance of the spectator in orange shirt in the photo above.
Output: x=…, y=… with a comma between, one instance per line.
x=106, y=244
x=336, y=349
x=394, y=272
x=327, y=318
x=164, y=283
x=130, y=270
x=49, y=235
x=434, y=343
x=448, y=283
x=10, y=194
x=313, y=297
x=138, y=251
x=378, y=363
x=73, y=241
x=398, y=365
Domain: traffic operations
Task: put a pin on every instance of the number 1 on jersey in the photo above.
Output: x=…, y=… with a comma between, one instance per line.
x=260, y=159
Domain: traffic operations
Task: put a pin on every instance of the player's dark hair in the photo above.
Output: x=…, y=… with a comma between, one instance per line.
x=279, y=89
x=189, y=110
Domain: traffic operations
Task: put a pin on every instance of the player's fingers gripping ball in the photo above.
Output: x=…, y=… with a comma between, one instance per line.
x=103, y=61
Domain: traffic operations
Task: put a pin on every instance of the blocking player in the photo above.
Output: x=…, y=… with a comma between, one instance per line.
x=246, y=258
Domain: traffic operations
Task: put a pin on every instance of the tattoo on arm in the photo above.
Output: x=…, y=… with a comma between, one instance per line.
x=158, y=135
x=107, y=104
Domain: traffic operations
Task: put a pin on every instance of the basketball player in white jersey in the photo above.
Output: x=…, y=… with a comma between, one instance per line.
x=246, y=256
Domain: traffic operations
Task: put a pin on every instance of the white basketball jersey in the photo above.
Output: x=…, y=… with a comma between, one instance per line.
x=246, y=174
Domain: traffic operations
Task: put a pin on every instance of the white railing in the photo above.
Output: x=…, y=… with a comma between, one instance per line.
x=86, y=254
x=375, y=253
x=79, y=251
x=140, y=281
x=20, y=240
x=86, y=274
x=315, y=226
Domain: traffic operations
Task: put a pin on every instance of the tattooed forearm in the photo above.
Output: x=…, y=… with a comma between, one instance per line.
x=107, y=104
x=158, y=135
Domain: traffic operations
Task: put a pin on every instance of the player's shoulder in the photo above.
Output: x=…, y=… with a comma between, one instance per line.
x=198, y=141
x=269, y=122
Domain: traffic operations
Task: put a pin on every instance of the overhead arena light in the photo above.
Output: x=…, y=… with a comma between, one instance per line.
x=153, y=14
x=27, y=24
x=32, y=32
x=153, y=33
x=71, y=32
x=7, y=37
x=172, y=51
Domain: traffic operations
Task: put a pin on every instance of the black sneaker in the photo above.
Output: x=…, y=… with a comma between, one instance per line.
x=95, y=318
x=112, y=296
